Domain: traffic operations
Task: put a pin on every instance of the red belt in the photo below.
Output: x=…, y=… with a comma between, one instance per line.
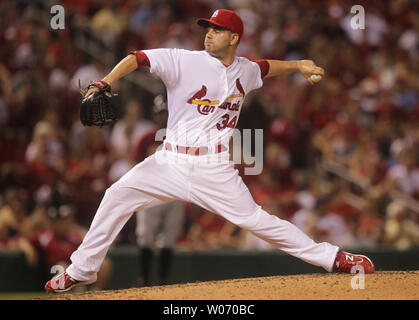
x=195, y=151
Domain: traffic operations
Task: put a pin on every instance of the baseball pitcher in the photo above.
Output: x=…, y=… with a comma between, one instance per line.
x=205, y=91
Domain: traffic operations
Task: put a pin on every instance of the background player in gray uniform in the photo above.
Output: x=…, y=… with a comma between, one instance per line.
x=157, y=227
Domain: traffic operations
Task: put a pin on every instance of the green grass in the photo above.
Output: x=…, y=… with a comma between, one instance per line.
x=21, y=295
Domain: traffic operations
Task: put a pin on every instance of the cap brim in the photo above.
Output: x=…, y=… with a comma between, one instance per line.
x=207, y=23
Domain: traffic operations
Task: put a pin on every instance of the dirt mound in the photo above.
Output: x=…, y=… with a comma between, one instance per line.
x=387, y=285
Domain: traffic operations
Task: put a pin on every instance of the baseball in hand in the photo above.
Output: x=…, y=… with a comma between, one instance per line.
x=315, y=77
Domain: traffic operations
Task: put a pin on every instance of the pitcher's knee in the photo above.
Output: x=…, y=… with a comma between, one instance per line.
x=259, y=219
x=120, y=192
x=248, y=222
x=110, y=194
x=114, y=187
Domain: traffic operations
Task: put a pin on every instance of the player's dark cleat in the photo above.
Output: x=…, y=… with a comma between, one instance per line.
x=63, y=283
x=352, y=263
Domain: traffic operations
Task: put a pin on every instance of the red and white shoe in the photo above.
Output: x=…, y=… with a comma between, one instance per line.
x=63, y=282
x=352, y=263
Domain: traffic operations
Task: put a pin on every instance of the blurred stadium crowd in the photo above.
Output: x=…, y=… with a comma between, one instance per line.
x=340, y=158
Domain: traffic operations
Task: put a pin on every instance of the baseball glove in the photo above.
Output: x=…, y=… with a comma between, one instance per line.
x=98, y=108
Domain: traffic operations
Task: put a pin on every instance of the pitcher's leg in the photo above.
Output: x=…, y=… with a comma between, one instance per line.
x=223, y=192
x=287, y=237
x=117, y=206
x=146, y=185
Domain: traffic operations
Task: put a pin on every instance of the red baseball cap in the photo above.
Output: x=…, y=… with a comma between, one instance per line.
x=223, y=18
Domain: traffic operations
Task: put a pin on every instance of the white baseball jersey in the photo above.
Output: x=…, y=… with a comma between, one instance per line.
x=204, y=96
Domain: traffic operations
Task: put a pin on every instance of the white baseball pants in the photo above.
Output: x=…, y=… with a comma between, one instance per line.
x=209, y=181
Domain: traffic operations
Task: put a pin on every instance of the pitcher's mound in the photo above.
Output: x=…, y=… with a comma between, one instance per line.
x=392, y=285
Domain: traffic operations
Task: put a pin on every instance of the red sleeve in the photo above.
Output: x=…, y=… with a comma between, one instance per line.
x=264, y=67
x=142, y=58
